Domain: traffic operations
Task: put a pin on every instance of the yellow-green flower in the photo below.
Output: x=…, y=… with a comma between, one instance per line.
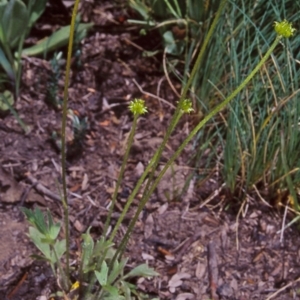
x=284, y=28
x=186, y=105
x=137, y=107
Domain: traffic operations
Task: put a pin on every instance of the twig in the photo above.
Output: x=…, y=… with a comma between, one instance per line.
x=237, y=223
x=41, y=189
x=260, y=197
x=151, y=95
x=209, y=198
x=26, y=193
x=293, y=221
x=212, y=270
x=167, y=75
x=182, y=249
x=282, y=289
x=15, y=290
x=283, y=223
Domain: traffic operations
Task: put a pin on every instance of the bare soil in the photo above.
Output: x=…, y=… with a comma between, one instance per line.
x=200, y=249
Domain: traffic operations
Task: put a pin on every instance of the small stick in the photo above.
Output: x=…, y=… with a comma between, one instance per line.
x=282, y=289
x=15, y=290
x=212, y=270
x=153, y=96
x=41, y=189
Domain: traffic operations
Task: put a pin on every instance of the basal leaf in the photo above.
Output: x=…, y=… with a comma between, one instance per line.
x=58, y=39
x=142, y=270
x=14, y=21
x=102, y=275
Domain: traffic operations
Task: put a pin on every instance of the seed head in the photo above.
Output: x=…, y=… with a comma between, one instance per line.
x=137, y=107
x=284, y=29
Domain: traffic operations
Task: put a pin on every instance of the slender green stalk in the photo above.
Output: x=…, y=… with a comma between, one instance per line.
x=63, y=139
x=173, y=123
x=177, y=114
x=65, y=280
x=217, y=109
x=120, y=177
x=151, y=166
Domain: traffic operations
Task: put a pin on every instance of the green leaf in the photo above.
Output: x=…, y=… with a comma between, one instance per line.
x=101, y=246
x=39, y=221
x=6, y=65
x=141, y=271
x=102, y=275
x=60, y=248
x=87, y=250
x=126, y=289
x=112, y=290
x=14, y=22
x=150, y=53
x=117, y=270
x=141, y=8
x=6, y=100
x=36, y=10
x=53, y=229
x=36, y=237
x=58, y=39
x=171, y=46
x=114, y=298
x=39, y=257
x=48, y=240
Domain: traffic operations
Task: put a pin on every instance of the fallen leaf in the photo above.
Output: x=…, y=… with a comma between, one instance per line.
x=149, y=224
x=185, y=296
x=84, y=184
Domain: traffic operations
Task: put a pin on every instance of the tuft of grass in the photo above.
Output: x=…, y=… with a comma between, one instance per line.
x=261, y=133
x=254, y=141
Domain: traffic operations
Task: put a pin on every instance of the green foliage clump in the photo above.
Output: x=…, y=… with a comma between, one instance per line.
x=255, y=140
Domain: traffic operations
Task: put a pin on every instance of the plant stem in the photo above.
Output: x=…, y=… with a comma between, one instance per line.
x=120, y=177
x=65, y=280
x=217, y=109
x=173, y=123
x=152, y=165
x=63, y=140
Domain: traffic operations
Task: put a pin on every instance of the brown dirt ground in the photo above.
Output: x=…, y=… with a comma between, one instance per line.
x=201, y=250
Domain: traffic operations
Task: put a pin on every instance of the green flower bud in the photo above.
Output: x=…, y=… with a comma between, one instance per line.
x=186, y=105
x=284, y=28
x=137, y=107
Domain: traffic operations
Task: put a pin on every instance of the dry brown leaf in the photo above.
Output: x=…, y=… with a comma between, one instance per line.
x=79, y=226
x=139, y=169
x=200, y=270
x=84, y=184
x=149, y=224
x=185, y=296
x=176, y=280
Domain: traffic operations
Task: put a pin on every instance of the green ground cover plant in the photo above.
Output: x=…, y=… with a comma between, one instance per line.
x=100, y=272
x=253, y=142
